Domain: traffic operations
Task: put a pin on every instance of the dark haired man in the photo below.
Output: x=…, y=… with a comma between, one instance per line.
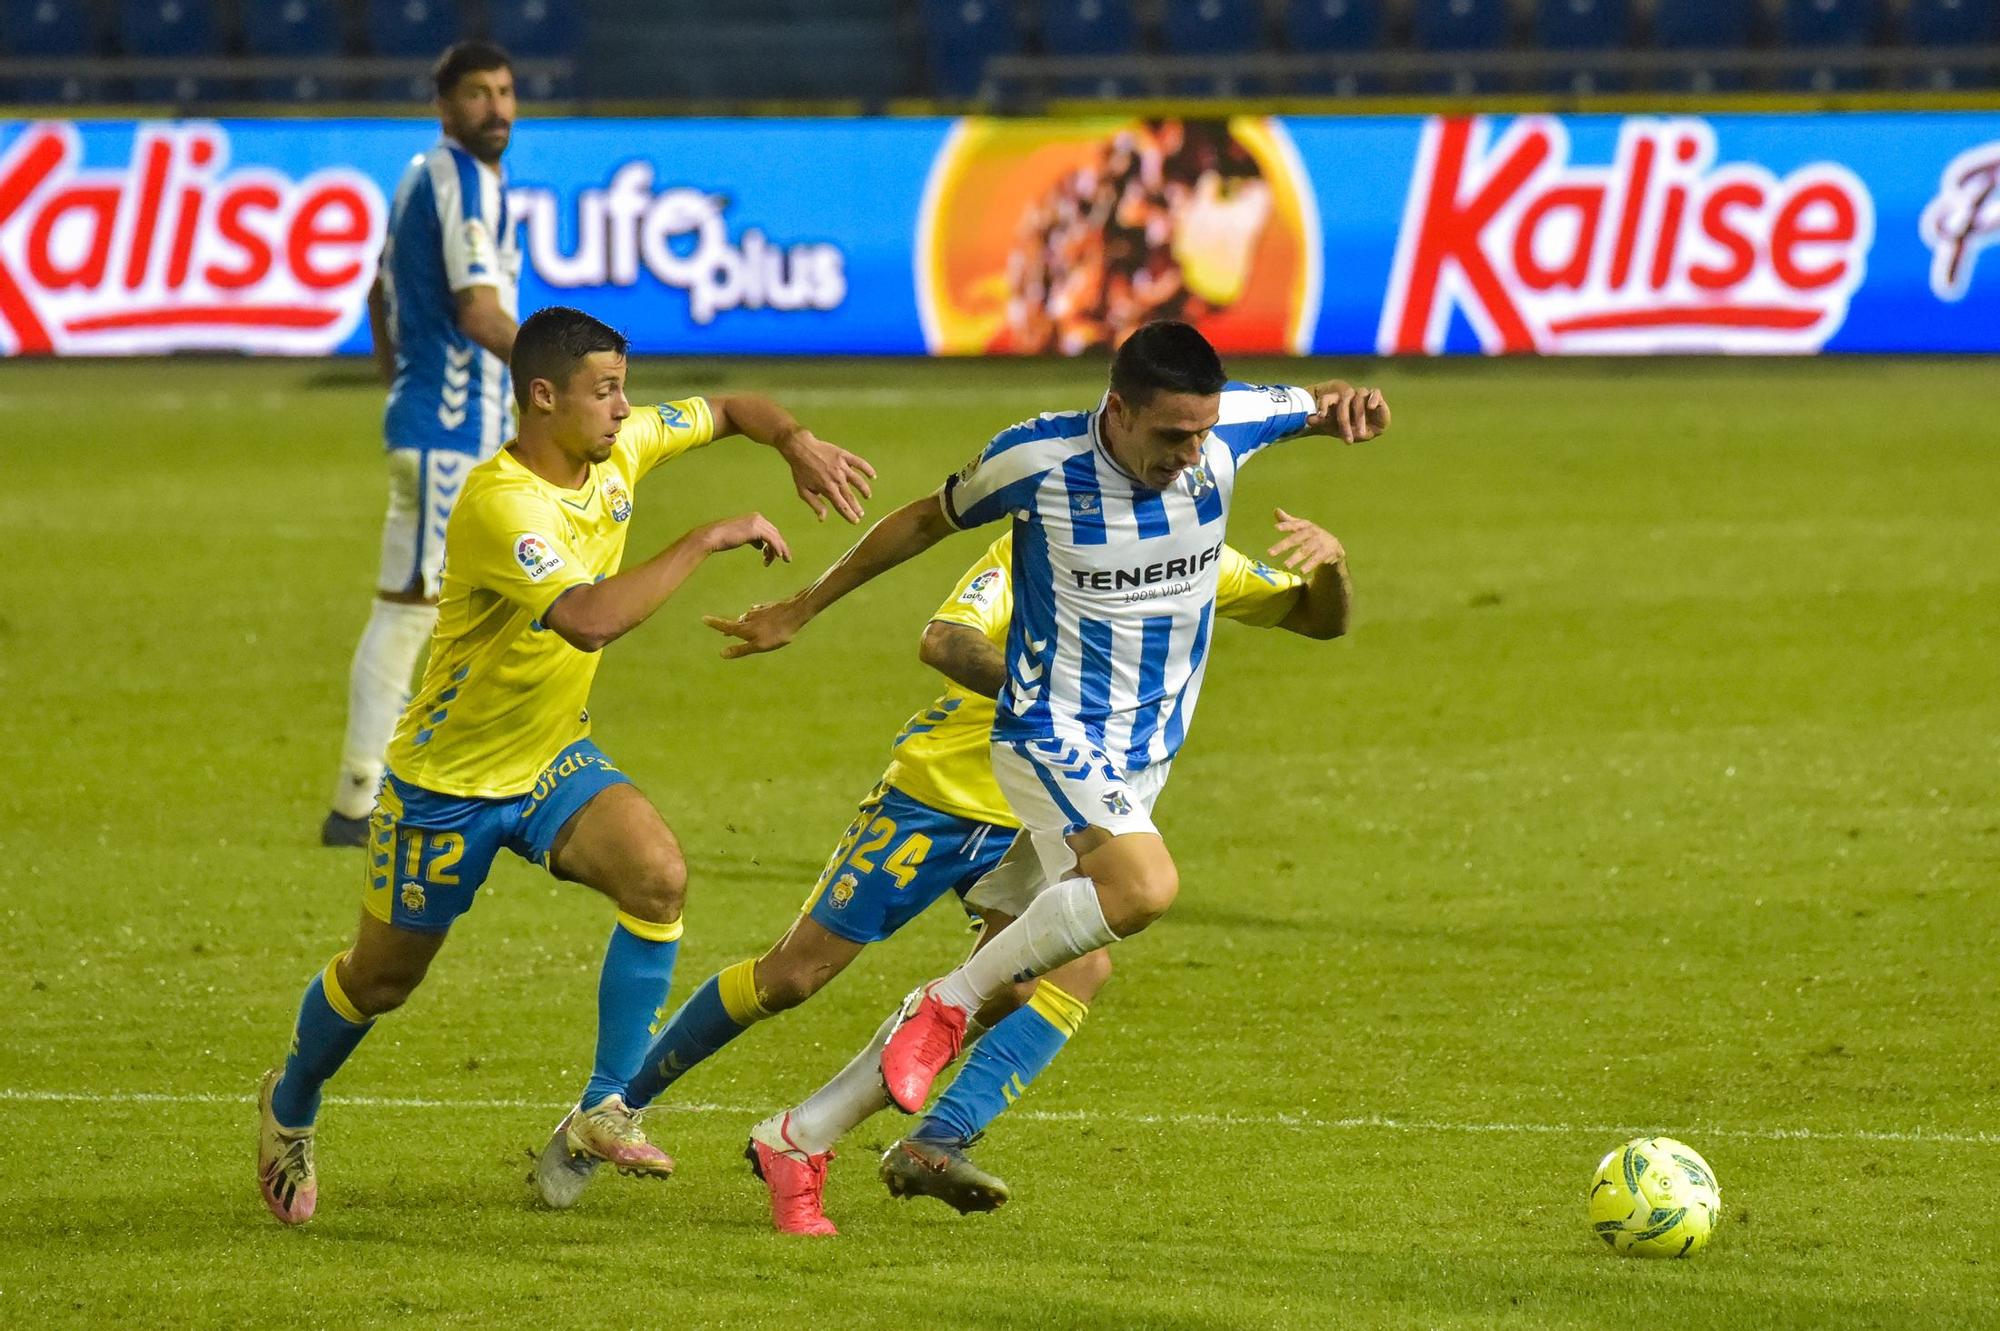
x=494, y=750
x=442, y=312
x=1118, y=520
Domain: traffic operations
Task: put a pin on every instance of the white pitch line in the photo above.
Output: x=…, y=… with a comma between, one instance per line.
x=1297, y=1122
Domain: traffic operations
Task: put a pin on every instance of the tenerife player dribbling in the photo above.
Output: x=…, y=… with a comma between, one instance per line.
x=1118, y=518
x=495, y=750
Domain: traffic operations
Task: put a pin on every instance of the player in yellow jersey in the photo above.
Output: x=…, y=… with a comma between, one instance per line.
x=937, y=823
x=494, y=751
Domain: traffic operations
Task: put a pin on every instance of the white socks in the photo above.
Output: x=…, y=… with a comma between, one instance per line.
x=1060, y=925
x=378, y=688
x=855, y=1092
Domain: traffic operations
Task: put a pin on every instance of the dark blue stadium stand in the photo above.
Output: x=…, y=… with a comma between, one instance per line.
x=1335, y=26
x=1704, y=25
x=1214, y=27
x=1582, y=26
x=960, y=36
x=1817, y=24
x=1951, y=23
x=1090, y=27
x=418, y=29
x=49, y=28
x=299, y=29
x=164, y=29
x=544, y=28
x=1460, y=25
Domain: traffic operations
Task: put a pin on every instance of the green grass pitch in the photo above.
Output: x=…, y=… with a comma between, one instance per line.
x=1657, y=789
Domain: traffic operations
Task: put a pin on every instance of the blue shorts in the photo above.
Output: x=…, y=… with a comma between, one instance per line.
x=428, y=853
x=897, y=857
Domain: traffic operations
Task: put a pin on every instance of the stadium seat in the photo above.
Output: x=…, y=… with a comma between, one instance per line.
x=1584, y=25
x=1330, y=26
x=55, y=28
x=1947, y=23
x=544, y=29
x=1461, y=25
x=960, y=36
x=1090, y=27
x=298, y=28
x=415, y=29
x=1704, y=25
x=1818, y=24
x=1214, y=27
x=169, y=28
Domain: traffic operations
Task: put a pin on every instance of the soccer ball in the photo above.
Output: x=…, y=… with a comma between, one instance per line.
x=1654, y=1197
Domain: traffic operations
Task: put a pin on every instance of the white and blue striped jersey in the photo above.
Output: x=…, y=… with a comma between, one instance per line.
x=448, y=231
x=1114, y=583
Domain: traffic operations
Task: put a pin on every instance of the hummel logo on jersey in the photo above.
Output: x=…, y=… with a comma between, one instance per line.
x=1108, y=579
x=1083, y=503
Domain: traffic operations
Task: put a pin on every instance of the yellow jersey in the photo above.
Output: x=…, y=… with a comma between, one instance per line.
x=502, y=694
x=941, y=757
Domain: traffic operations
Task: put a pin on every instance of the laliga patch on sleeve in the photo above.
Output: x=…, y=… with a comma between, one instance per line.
x=477, y=240
x=983, y=590
x=537, y=558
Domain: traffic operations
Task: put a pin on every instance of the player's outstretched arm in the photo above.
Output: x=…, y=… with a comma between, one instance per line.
x=381, y=332
x=904, y=534
x=1316, y=555
x=965, y=656
x=481, y=319
x=822, y=473
x=1352, y=415
x=588, y=617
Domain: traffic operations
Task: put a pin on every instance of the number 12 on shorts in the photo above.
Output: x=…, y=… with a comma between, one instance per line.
x=430, y=856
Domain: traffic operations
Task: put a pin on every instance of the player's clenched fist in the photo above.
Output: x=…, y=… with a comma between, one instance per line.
x=1345, y=412
x=751, y=529
x=761, y=628
x=827, y=474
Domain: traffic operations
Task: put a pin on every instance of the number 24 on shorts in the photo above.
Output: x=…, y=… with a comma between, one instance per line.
x=901, y=863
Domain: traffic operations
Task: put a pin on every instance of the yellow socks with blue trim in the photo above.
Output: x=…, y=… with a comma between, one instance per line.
x=1003, y=1064
x=631, y=989
x=329, y=1027
x=723, y=1008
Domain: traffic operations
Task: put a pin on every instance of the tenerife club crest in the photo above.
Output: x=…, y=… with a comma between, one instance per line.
x=1117, y=803
x=1198, y=481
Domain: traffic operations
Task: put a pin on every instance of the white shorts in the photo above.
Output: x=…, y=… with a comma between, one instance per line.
x=1057, y=787
x=423, y=485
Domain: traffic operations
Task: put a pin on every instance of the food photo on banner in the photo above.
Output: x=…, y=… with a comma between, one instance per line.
x=1550, y=235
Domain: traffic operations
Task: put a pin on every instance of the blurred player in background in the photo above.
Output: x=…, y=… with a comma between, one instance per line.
x=1118, y=518
x=936, y=824
x=442, y=312
x=495, y=751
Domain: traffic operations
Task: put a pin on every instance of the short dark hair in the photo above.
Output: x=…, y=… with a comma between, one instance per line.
x=462, y=58
x=1165, y=357
x=553, y=342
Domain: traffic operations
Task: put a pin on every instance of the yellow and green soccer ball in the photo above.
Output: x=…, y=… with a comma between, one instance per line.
x=1654, y=1197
